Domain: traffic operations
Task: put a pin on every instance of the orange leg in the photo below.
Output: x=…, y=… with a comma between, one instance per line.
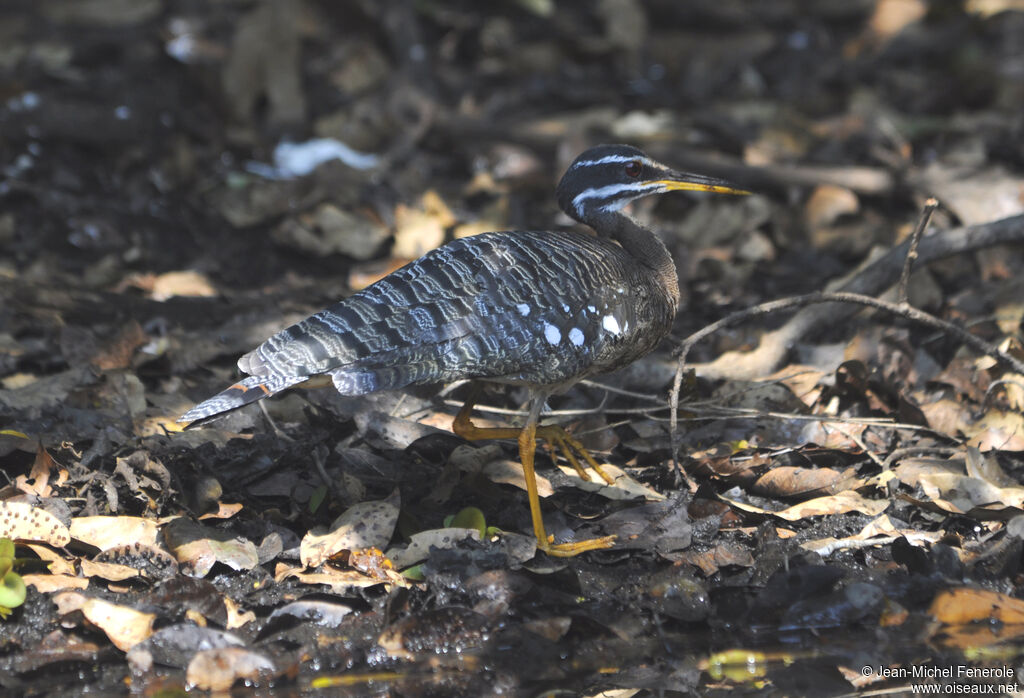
x=555, y=435
x=527, y=438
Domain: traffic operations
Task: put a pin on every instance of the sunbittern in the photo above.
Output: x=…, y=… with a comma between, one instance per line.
x=541, y=309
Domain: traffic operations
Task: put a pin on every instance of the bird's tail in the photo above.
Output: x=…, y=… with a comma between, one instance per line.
x=238, y=395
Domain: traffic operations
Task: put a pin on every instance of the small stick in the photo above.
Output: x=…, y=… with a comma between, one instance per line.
x=901, y=310
x=922, y=222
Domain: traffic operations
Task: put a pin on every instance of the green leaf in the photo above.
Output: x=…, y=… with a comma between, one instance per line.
x=12, y=590
x=317, y=498
x=415, y=573
x=6, y=556
x=470, y=517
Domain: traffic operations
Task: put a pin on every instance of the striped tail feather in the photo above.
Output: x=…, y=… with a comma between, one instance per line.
x=242, y=393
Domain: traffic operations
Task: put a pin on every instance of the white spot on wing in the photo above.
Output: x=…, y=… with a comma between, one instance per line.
x=591, y=308
x=610, y=324
x=523, y=309
x=552, y=334
x=565, y=307
x=576, y=336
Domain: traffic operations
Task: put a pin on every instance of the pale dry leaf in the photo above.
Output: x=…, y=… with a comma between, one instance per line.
x=987, y=468
x=961, y=494
x=22, y=521
x=997, y=430
x=49, y=583
x=827, y=204
x=623, y=486
x=331, y=230
x=361, y=526
x=105, y=532
x=419, y=230
x=200, y=555
x=508, y=472
x=236, y=616
x=987, y=8
x=325, y=614
x=340, y=582
x=841, y=503
x=893, y=16
x=110, y=571
x=197, y=547
x=802, y=381
x=880, y=531
x=219, y=669
x=38, y=480
x=124, y=626
x=420, y=544
x=55, y=562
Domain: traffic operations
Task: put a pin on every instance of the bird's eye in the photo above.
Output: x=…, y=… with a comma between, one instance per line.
x=634, y=168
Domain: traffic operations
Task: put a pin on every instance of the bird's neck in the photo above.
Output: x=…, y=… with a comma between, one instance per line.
x=641, y=244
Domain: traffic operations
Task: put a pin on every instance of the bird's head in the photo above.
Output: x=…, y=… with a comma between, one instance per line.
x=605, y=178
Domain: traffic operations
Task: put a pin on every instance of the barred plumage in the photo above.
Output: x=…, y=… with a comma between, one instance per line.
x=543, y=309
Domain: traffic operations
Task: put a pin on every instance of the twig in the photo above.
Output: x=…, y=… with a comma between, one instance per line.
x=901, y=453
x=620, y=391
x=995, y=384
x=860, y=442
x=922, y=222
x=905, y=311
x=872, y=280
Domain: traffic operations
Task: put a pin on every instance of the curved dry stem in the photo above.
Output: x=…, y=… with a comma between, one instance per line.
x=902, y=310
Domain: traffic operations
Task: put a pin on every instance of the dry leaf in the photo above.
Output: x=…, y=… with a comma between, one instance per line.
x=236, y=616
x=198, y=547
x=880, y=531
x=419, y=230
x=22, y=521
x=822, y=506
x=56, y=563
x=117, y=352
x=963, y=605
x=961, y=494
x=125, y=626
x=623, y=486
x=841, y=503
x=361, y=526
x=37, y=482
x=48, y=583
x=893, y=16
x=420, y=544
x=219, y=669
x=508, y=472
x=827, y=204
x=341, y=582
x=110, y=571
x=105, y=532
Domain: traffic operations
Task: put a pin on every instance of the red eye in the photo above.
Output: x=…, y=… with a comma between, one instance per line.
x=634, y=168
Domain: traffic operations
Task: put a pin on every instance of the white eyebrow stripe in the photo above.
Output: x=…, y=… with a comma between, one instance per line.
x=611, y=190
x=607, y=159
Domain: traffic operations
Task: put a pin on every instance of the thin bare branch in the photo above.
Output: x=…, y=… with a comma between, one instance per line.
x=922, y=223
x=905, y=311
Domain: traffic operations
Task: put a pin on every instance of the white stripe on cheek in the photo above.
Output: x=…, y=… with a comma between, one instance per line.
x=612, y=190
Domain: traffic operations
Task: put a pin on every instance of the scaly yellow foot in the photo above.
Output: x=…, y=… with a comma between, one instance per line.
x=527, y=438
x=576, y=547
x=558, y=437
